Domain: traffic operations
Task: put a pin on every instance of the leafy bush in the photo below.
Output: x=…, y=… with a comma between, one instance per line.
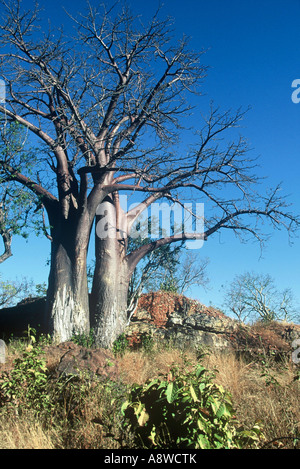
x=84, y=340
x=147, y=342
x=188, y=410
x=26, y=384
x=120, y=345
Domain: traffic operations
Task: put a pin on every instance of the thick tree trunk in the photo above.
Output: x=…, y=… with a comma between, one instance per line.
x=108, y=303
x=67, y=310
x=109, y=293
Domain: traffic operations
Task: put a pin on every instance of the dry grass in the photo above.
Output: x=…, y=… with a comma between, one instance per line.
x=24, y=432
x=231, y=372
x=261, y=392
x=138, y=367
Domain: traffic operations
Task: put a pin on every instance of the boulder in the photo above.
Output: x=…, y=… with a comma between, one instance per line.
x=74, y=360
x=180, y=320
x=186, y=322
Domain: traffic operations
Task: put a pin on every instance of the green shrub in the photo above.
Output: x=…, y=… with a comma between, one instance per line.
x=147, y=342
x=188, y=410
x=84, y=340
x=120, y=345
x=26, y=384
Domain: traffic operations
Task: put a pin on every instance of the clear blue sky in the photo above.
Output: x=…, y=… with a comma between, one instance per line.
x=253, y=51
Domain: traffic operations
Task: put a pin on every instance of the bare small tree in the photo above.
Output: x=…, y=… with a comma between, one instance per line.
x=108, y=107
x=188, y=271
x=13, y=291
x=192, y=272
x=252, y=297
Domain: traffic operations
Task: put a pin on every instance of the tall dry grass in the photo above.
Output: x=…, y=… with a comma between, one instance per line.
x=89, y=416
x=263, y=392
x=25, y=432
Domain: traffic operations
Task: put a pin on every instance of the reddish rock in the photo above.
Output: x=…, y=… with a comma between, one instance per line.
x=185, y=321
x=76, y=360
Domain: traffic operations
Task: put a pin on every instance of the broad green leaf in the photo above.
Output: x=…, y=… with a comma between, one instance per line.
x=222, y=411
x=149, y=385
x=143, y=418
x=203, y=442
x=124, y=407
x=215, y=405
x=193, y=394
x=200, y=370
x=138, y=409
x=169, y=392
x=201, y=425
x=202, y=387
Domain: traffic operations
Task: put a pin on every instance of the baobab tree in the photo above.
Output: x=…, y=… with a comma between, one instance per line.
x=108, y=107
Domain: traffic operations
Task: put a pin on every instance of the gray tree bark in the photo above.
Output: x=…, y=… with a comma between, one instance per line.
x=67, y=311
x=111, y=279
